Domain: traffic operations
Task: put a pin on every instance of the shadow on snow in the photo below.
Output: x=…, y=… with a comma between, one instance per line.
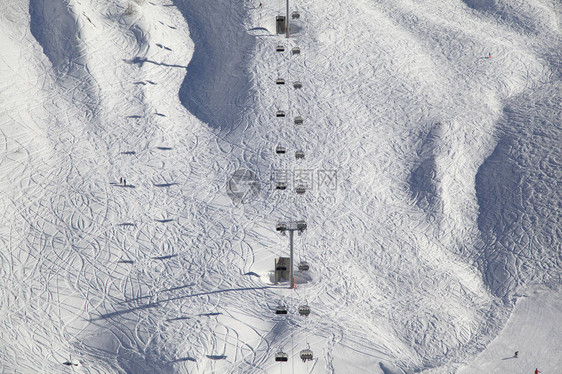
x=217, y=85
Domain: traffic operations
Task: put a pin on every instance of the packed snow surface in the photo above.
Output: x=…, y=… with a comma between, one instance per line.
x=138, y=174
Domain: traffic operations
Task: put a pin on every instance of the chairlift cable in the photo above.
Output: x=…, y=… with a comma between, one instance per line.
x=293, y=350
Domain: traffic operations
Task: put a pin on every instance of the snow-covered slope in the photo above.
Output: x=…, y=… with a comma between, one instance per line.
x=431, y=138
x=533, y=330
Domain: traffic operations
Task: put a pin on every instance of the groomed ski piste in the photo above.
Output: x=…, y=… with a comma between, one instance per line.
x=138, y=174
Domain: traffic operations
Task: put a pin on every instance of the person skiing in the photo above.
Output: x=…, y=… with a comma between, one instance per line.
x=516, y=354
x=537, y=371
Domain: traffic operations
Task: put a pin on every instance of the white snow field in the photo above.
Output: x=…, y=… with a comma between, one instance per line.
x=432, y=137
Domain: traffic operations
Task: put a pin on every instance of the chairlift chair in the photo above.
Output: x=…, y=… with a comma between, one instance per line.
x=296, y=51
x=280, y=48
x=299, y=155
x=295, y=15
x=280, y=81
x=280, y=24
x=297, y=85
x=281, y=309
x=281, y=357
x=306, y=355
x=303, y=266
x=300, y=190
x=298, y=120
x=281, y=227
x=280, y=150
x=301, y=225
x=304, y=310
x=280, y=113
x=281, y=186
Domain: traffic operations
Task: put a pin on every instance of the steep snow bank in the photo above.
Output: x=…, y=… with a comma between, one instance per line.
x=518, y=189
x=217, y=87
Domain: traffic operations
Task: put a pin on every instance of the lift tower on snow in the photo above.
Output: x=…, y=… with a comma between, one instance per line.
x=287, y=25
x=291, y=227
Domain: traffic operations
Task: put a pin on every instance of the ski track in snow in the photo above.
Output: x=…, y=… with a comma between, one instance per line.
x=445, y=205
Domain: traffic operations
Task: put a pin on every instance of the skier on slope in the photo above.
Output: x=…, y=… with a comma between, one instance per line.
x=516, y=354
x=537, y=371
